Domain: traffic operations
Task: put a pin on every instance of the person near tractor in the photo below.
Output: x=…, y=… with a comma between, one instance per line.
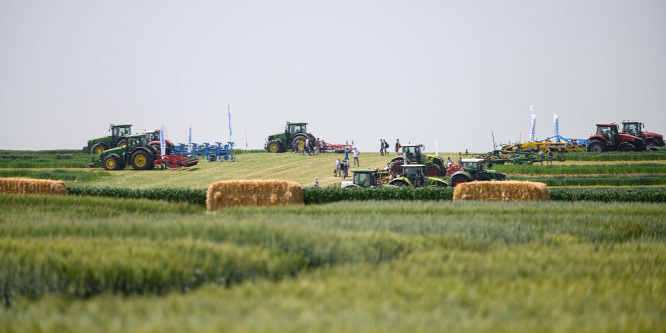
x=541, y=156
x=343, y=169
x=346, y=163
x=460, y=160
x=347, y=153
x=550, y=155
x=356, y=152
x=336, y=171
x=449, y=163
x=381, y=146
x=397, y=147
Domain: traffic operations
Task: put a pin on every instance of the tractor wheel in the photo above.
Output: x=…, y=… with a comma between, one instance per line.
x=433, y=170
x=626, y=147
x=275, y=146
x=113, y=162
x=298, y=143
x=459, y=179
x=651, y=144
x=142, y=160
x=399, y=183
x=98, y=148
x=395, y=167
x=596, y=146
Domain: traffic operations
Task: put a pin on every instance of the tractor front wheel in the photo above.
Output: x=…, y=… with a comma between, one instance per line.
x=596, y=147
x=395, y=167
x=458, y=179
x=298, y=144
x=275, y=146
x=113, y=162
x=433, y=170
x=625, y=146
x=98, y=148
x=142, y=160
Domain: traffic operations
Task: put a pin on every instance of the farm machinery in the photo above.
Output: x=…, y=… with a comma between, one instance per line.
x=415, y=175
x=652, y=140
x=474, y=169
x=412, y=154
x=208, y=152
x=141, y=156
x=116, y=139
x=367, y=178
x=293, y=138
x=608, y=138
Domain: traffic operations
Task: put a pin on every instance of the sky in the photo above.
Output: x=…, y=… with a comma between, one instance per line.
x=455, y=73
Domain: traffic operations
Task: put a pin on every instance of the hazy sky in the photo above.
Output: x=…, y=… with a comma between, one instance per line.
x=451, y=71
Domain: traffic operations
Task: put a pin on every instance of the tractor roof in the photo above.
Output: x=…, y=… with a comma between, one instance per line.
x=607, y=125
x=472, y=160
x=293, y=123
x=364, y=171
x=119, y=125
x=412, y=145
x=414, y=165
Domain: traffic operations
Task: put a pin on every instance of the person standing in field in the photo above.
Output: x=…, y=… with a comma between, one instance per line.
x=316, y=182
x=336, y=171
x=356, y=152
x=397, y=146
x=381, y=146
x=343, y=169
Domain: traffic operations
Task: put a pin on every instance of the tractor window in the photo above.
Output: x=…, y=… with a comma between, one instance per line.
x=299, y=128
x=411, y=154
x=362, y=179
x=119, y=131
x=632, y=129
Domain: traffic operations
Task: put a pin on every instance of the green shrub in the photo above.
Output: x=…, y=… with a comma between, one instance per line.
x=596, y=180
x=194, y=196
x=588, y=169
x=608, y=194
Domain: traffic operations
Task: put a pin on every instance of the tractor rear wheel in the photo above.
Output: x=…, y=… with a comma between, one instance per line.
x=596, y=146
x=275, y=146
x=459, y=179
x=433, y=170
x=142, y=160
x=395, y=167
x=122, y=142
x=113, y=162
x=298, y=143
x=98, y=148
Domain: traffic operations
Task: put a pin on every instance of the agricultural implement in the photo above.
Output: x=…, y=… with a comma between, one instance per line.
x=608, y=138
x=412, y=154
x=652, y=140
x=516, y=157
x=141, y=156
x=474, y=169
x=208, y=152
x=415, y=175
x=116, y=139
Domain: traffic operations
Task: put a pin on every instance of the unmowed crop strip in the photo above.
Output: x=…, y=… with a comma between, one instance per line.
x=596, y=180
x=44, y=159
x=617, y=156
x=583, y=169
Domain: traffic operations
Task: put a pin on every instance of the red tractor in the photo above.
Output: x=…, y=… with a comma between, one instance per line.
x=609, y=138
x=652, y=140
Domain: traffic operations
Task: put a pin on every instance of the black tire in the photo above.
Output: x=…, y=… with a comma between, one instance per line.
x=298, y=143
x=98, y=148
x=596, y=146
x=458, y=179
x=395, y=167
x=142, y=159
x=113, y=162
x=121, y=142
x=626, y=147
x=275, y=146
x=433, y=170
x=651, y=144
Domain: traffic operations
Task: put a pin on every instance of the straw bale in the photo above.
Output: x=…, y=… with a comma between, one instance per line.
x=502, y=191
x=230, y=193
x=32, y=186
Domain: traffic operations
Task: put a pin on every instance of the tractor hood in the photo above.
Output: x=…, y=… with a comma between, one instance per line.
x=114, y=150
x=629, y=137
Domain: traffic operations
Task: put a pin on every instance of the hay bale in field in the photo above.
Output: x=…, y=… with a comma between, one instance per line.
x=32, y=186
x=502, y=191
x=230, y=193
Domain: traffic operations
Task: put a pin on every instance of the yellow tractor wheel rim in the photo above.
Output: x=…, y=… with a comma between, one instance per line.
x=99, y=150
x=273, y=147
x=140, y=160
x=301, y=144
x=110, y=163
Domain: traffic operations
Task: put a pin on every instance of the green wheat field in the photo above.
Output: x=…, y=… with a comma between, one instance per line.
x=80, y=263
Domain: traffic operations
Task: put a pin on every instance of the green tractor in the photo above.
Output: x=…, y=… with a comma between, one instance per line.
x=412, y=154
x=293, y=138
x=117, y=139
x=415, y=175
x=367, y=178
x=135, y=152
x=473, y=169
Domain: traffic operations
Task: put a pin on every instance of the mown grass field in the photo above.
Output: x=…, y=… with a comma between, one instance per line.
x=81, y=264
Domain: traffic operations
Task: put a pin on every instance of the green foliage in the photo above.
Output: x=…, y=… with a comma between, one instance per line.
x=56, y=174
x=193, y=196
x=608, y=194
x=583, y=169
x=44, y=159
x=617, y=156
x=332, y=194
x=596, y=180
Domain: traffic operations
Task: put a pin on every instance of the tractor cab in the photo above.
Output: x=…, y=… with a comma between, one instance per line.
x=608, y=131
x=134, y=141
x=118, y=131
x=295, y=128
x=412, y=152
x=633, y=128
x=365, y=178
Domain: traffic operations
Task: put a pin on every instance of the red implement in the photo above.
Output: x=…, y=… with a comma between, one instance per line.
x=174, y=161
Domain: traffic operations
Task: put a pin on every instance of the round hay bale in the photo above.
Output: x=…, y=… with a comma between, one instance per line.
x=502, y=191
